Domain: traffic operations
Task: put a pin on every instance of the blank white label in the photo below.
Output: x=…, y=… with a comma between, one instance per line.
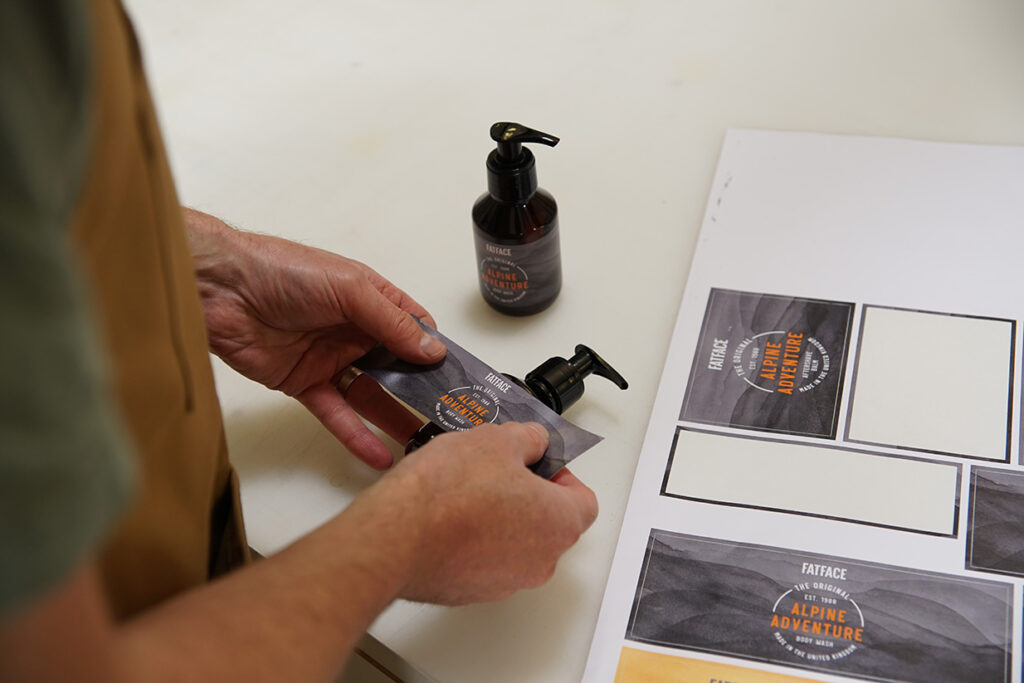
x=830, y=482
x=933, y=382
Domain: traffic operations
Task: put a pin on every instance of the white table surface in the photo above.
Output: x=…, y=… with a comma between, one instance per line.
x=362, y=127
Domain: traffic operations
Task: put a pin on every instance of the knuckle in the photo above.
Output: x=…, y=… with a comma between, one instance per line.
x=540, y=575
x=344, y=280
x=503, y=594
x=591, y=510
x=568, y=538
x=566, y=535
x=526, y=435
x=400, y=327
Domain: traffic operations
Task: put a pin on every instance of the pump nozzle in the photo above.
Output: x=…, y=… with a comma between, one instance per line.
x=587, y=361
x=559, y=383
x=510, y=137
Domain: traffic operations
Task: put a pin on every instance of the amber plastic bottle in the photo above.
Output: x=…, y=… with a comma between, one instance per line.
x=515, y=226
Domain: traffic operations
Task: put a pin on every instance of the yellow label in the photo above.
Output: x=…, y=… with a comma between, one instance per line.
x=640, y=666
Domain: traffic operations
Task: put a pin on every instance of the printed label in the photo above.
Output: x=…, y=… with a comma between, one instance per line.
x=462, y=392
x=770, y=363
x=812, y=611
x=995, y=536
x=519, y=273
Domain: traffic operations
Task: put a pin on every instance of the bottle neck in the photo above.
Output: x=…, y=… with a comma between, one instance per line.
x=512, y=183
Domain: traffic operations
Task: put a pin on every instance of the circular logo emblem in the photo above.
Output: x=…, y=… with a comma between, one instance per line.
x=781, y=361
x=466, y=407
x=504, y=280
x=818, y=622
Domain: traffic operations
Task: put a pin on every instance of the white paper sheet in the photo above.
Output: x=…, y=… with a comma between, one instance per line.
x=829, y=487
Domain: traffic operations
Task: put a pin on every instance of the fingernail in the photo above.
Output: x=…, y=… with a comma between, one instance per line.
x=431, y=346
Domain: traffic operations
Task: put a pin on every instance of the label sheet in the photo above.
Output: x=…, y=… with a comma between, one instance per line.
x=831, y=485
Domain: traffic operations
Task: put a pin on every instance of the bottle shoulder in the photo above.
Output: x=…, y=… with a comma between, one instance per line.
x=540, y=197
x=527, y=221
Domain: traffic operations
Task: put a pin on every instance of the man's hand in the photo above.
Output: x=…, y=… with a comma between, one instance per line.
x=293, y=317
x=469, y=522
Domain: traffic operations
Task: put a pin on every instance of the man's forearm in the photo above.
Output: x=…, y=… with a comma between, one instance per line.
x=461, y=520
x=295, y=616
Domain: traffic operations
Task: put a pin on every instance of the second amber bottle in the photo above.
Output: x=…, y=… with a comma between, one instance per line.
x=515, y=226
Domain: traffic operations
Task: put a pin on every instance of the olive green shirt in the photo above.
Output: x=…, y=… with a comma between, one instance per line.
x=65, y=467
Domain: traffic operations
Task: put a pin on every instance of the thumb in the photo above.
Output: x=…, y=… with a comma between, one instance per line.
x=534, y=438
x=393, y=327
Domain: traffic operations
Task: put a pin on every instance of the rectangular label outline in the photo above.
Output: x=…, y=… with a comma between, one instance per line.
x=831, y=446
x=1009, y=407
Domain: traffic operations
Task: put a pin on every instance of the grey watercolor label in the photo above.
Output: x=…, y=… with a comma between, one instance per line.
x=995, y=539
x=831, y=614
x=462, y=392
x=519, y=273
x=769, y=363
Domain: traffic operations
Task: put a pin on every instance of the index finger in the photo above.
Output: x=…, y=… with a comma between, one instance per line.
x=378, y=406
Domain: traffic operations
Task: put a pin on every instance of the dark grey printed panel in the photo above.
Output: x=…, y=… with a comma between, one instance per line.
x=462, y=392
x=811, y=611
x=771, y=363
x=995, y=536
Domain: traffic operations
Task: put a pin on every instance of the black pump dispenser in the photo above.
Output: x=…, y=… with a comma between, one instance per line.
x=515, y=227
x=557, y=383
x=511, y=168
